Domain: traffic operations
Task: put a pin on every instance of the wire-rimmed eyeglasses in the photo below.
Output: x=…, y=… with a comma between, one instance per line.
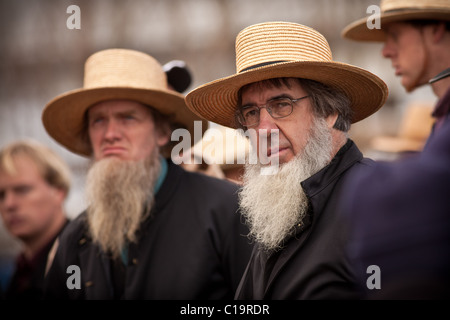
x=277, y=108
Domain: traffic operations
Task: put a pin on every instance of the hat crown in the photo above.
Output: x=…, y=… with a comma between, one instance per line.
x=123, y=68
x=393, y=5
x=275, y=42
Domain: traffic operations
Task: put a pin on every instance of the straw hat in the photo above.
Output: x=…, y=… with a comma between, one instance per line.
x=108, y=75
x=223, y=146
x=413, y=132
x=285, y=49
x=221, y=153
x=394, y=11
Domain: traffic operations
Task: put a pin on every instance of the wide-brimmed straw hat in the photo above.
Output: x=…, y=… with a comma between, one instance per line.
x=115, y=74
x=284, y=49
x=395, y=11
x=223, y=146
x=413, y=132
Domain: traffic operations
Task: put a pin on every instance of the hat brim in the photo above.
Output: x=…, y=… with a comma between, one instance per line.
x=217, y=100
x=396, y=144
x=359, y=30
x=64, y=116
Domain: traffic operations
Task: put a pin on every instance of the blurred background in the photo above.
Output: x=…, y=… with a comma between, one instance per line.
x=41, y=58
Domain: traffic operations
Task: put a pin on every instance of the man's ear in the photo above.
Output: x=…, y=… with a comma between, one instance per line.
x=60, y=194
x=438, y=32
x=163, y=132
x=331, y=120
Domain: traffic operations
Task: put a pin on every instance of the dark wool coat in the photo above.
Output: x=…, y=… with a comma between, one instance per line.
x=27, y=281
x=193, y=247
x=400, y=212
x=313, y=263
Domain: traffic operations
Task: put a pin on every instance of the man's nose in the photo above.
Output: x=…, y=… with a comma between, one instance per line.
x=387, y=51
x=112, y=131
x=265, y=120
x=9, y=200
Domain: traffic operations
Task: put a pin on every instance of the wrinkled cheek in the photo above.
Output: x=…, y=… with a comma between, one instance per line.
x=145, y=151
x=95, y=145
x=259, y=143
x=286, y=156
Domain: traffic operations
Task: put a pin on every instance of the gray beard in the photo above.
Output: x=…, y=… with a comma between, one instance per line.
x=274, y=204
x=119, y=196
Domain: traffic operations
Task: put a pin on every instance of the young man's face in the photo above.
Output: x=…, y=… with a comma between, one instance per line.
x=28, y=204
x=293, y=129
x=406, y=46
x=123, y=129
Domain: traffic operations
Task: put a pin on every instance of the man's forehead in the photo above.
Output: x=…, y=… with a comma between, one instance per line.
x=23, y=170
x=395, y=26
x=118, y=106
x=272, y=88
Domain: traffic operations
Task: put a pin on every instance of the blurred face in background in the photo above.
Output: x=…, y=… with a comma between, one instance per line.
x=29, y=205
x=406, y=46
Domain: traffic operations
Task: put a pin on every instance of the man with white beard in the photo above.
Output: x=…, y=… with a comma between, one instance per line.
x=301, y=104
x=151, y=229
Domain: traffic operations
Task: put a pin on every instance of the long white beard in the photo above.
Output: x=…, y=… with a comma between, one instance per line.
x=274, y=204
x=120, y=196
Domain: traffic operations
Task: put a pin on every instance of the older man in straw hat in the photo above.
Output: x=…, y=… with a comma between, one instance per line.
x=400, y=211
x=151, y=229
x=289, y=90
